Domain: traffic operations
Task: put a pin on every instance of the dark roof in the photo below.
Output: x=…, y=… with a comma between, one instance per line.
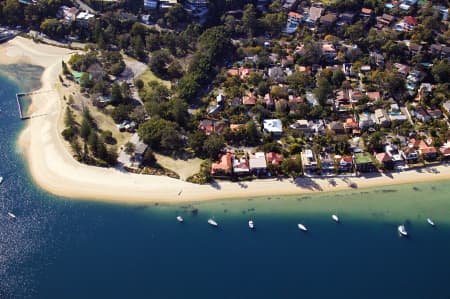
x=328, y=18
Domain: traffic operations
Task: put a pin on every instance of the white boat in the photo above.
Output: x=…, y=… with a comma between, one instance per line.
x=430, y=222
x=335, y=217
x=1, y=179
x=302, y=227
x=212, y=222
x=402, y=230
x=11, y=215
x=251, y=225
x=180, y=219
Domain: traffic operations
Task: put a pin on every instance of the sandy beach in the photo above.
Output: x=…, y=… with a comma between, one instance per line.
x=53, y=168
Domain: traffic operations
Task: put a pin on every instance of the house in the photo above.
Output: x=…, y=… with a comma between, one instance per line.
x=395, y=114
x=139, y=151
x=301, y=125
x=337, y=127
x=68, y=14
x=445, y=150
x=83, y=19
x=376, y=58
x=223, y=167
x=314, y=15
x=309, y=160
x=346, y=18
x=422, y=115
x=166, y=4
x=276, y=74
x=294, y=18
x=198, y=4
x=366, y=12
x=429, y=153
x=446, y=106
x=366, y=120
x=345, y=163
x=384, y=21
x=150, y=4
x=273, y=126
x=328, y=20
x=274, y=158
x=329, y=51
x=326, y=163
x=434, y=113
x=373, y=96
x=258, y=164
x=382, y=118
x=396, y=156
x=410, y=22
x=410, y=154
x=350, y=125
x=385, y=159
x=363, y=162
x=241, y=166
x=211, y=126
x=249, y=100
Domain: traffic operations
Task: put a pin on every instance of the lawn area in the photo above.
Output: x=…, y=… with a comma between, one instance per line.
x=148, y=76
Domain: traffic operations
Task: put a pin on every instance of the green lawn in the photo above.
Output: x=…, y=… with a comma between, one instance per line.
x=148, y=76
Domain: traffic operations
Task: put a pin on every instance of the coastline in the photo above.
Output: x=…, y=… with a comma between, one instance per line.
x=54, y=169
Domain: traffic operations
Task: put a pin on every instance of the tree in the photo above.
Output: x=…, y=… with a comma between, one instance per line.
x=65, y=68
x=138, y=47
x=323, y=90
x=249, y=20
x=121, y=113
x=253, y=134
x=152, y=131
x=175, y=15
x=139, y=84
x=196, y=141
x=159, y=61
x=337, y=78
x=292, y=167
x=441, y=71
x=116, y=94
x=129, y=148
x=299, y=81
x=213, y=146
x=86, y=81
x=85, y=129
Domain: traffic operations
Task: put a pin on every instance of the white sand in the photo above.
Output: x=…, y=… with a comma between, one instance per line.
x=54, y=169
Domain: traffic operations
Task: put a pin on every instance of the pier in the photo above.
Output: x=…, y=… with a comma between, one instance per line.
x=23, y=94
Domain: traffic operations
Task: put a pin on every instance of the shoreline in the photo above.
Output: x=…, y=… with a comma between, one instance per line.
x=54, y=170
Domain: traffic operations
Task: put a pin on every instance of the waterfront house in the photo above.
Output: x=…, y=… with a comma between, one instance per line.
x=274, y=158
x=223, y=167
x=410, y=154
x=385, y=159
x=345, y=163
x=139, y=151
x=258, y=164
x=363, y=162
x=241, y=166
x=309, y=160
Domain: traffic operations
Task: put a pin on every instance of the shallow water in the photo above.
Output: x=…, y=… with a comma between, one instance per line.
x=60, y=248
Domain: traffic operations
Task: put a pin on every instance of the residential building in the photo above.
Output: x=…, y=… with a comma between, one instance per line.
x=382, y=118
x=363, y=162
x=241, y=166
x=150, y=4
x=309, y=160
x=139, y=151
x=385, y=159
x=198, y=4
x=223, y=167
x=273, y=126
x=166, y=4
x=366, y=120
x=274, y=158
x=446, y=106
x=345, y=163
x=258, y=164
x=337, y=127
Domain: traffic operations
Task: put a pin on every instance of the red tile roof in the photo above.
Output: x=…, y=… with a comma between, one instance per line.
x=224, y=165
x=274, y=158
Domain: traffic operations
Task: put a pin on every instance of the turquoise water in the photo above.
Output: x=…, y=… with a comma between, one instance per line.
x=60, y=248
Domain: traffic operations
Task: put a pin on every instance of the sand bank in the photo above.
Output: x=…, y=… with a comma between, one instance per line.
x=53, y=168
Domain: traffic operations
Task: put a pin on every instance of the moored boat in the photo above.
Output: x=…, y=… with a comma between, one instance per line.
x=212, y=222
x=11, y=215
x=335, y=217
x=430, y=222
x=302, y=227
x=180, y=219
x=402, y=230
x=1, y=180
x=251, y=225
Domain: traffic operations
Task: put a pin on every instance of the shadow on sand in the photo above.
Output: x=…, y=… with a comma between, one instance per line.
x=307, y=183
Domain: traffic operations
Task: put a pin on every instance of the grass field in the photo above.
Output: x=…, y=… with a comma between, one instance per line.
x=148, y=76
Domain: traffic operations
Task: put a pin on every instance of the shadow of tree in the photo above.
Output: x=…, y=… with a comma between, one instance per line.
x=307, y=183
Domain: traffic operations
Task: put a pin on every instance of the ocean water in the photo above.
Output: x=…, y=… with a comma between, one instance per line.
x=62, y=248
